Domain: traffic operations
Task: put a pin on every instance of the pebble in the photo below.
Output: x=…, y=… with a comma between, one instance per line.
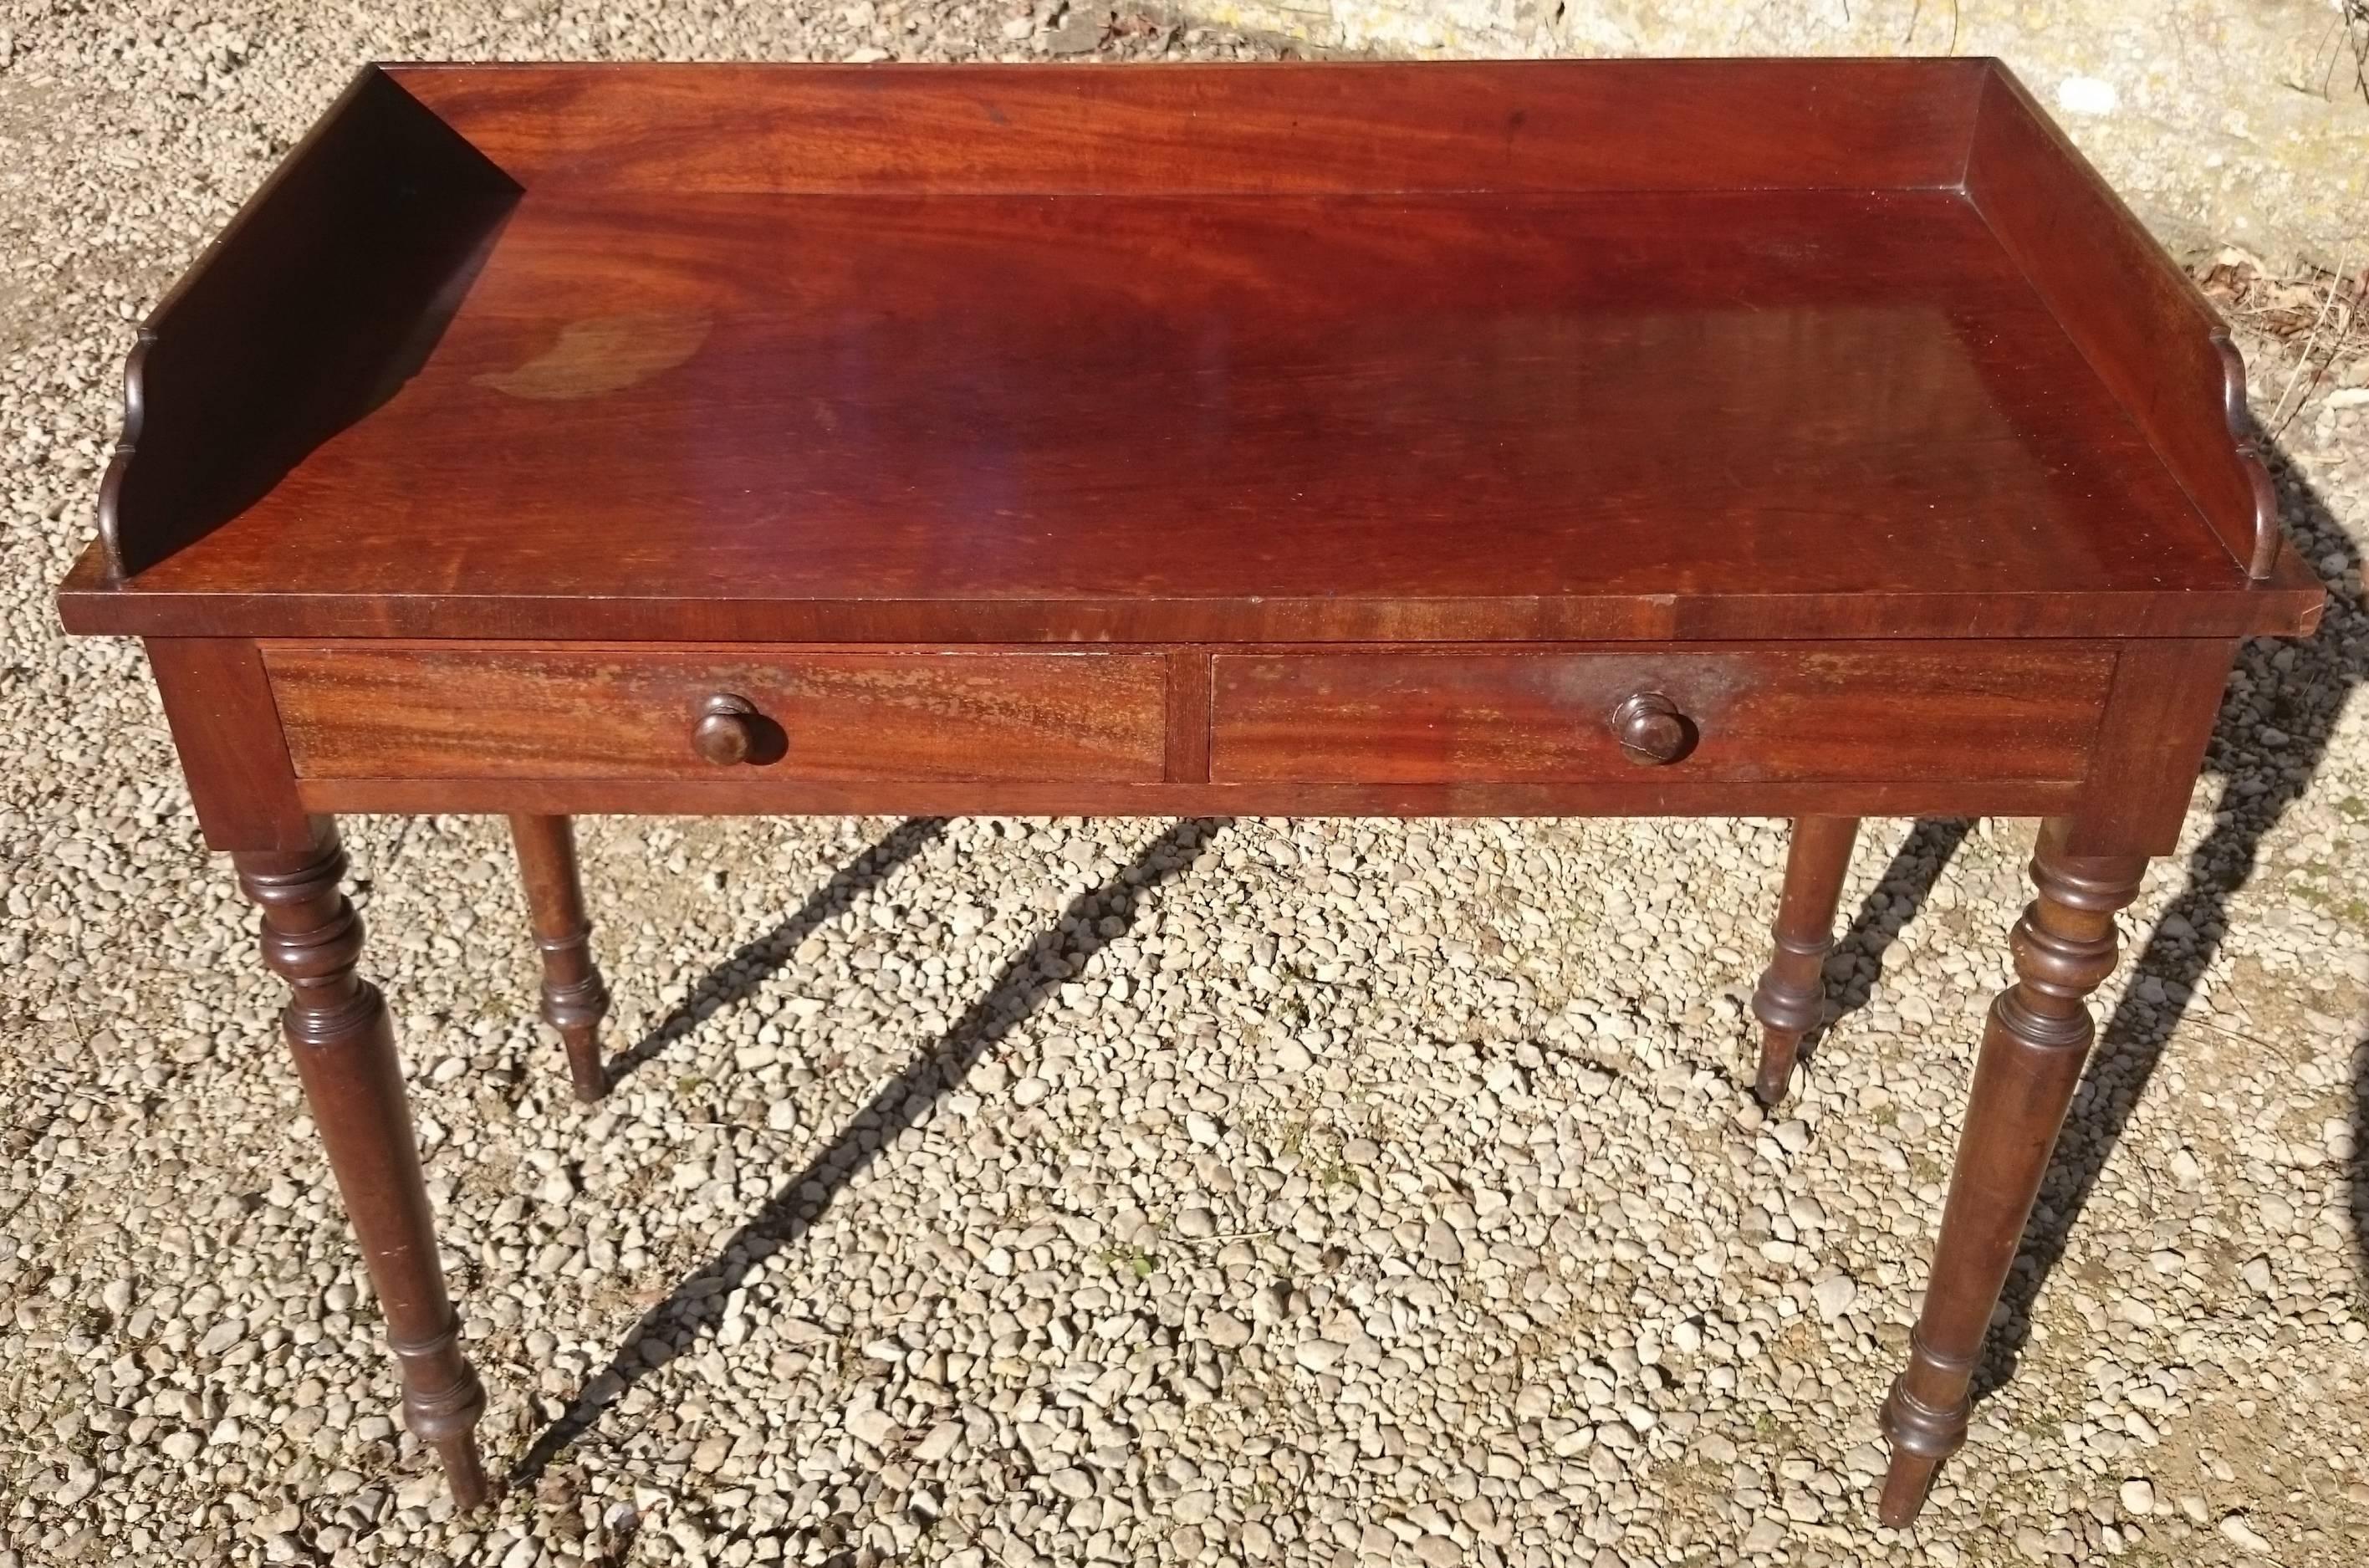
x=2240, y=1533
x=1226, y=1331
x=870, y=1427
x=2138, y=1497
x=1836, y=1294
x=1319, y=1355
x=81, y=1480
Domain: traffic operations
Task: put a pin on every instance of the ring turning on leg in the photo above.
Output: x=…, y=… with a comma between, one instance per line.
x=339, y=1032
x=1791, y=998
x=2034, y=1044
x=575, y=1000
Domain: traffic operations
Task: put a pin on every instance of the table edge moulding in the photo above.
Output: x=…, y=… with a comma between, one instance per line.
x=1816, y=439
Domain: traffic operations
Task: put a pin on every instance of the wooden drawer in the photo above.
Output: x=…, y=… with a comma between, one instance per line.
x=353, y=712
x=1769, y=714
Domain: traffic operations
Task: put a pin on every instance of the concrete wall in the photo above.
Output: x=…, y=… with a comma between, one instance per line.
x=2222, y=121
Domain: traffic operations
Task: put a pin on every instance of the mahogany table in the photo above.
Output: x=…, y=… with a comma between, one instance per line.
x=1789, y=438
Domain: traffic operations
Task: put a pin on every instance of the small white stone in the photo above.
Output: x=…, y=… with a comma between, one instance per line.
x=870, y=1425
x=1835, y=1295
x=1319, y=1355
x=2138, y=1497
x=1226, y=1331
x=82, y=1478
x=2088, y=95
x=2240, y=1533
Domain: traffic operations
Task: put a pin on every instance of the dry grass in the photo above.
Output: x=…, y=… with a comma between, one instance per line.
x=2313, y=320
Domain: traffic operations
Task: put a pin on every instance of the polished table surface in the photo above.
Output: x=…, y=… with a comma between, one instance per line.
x=1039, y=404
x=1813, y=438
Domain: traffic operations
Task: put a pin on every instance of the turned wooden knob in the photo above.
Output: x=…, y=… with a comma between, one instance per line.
x=726, y=730
x=1650, y=728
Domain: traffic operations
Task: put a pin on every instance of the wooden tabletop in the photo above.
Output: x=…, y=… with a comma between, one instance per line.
x=662, y=384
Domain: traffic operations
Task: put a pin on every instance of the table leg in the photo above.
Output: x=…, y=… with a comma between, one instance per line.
x=1793, y=990
x=574, y=997
x=337, y=1030
x=2033, y=1045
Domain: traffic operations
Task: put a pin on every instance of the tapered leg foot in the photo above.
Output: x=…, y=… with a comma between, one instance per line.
x=1906, y=1482
x=464, y=1472
x=343, y=1043
x=2033, y=1046
x=1790, y=997
x=1920, y=1436
x=575, y=999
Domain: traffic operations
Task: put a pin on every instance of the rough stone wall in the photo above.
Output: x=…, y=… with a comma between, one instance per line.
x=2222, y=121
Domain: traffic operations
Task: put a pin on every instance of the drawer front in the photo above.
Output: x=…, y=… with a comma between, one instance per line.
x=1900, y=711
x=560, y=713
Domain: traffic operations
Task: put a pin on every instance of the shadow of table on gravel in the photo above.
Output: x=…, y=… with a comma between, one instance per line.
x=2296, y=690
x=1897, y=897
x=695, y=1305
x=738, y=978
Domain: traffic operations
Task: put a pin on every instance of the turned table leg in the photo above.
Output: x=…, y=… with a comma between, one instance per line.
x=338, y=1031
x=2033, y=1046
x=1793, y=990
x=574, y=998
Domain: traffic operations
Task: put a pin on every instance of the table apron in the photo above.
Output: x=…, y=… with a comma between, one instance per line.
x=1646, y=797
x=275, y=732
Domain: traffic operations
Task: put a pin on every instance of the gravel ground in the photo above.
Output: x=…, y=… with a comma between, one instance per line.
x=1315, y=1193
